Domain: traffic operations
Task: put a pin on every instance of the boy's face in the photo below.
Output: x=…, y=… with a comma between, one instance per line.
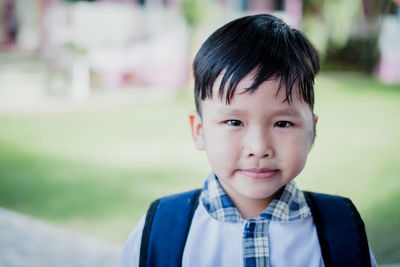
x=257, y=143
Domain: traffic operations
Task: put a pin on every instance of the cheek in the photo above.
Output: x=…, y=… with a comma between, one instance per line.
x=307, y=135
x=295, y=151
x=302, y=156
x=221, y=150
x=293, y=161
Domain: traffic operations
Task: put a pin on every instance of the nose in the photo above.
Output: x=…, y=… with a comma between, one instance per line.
x=258, y=144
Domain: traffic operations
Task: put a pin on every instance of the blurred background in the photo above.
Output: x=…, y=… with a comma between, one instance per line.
x=94, y=98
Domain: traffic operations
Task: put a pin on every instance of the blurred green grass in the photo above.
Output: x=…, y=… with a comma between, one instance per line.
x=98, y=169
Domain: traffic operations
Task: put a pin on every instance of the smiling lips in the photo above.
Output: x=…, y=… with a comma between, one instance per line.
x=259, y=173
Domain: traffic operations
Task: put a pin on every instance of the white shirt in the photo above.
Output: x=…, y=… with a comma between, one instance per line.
x=215, y=243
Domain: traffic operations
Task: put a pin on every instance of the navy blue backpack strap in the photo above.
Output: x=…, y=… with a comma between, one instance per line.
x=166, y=228
x=340, y=229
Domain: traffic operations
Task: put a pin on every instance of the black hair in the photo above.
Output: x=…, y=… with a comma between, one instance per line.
x=260, y=43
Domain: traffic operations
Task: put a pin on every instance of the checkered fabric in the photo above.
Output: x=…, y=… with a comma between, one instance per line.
x=288, y=205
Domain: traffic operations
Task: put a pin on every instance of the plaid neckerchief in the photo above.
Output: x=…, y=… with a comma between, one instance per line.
x=288, y=205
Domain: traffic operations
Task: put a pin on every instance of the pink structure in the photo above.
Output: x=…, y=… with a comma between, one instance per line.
x=9, y=22
x=389, y=44
x=141, y=42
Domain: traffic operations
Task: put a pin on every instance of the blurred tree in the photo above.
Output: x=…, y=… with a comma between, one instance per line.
x=194, y=12
x=345, y=32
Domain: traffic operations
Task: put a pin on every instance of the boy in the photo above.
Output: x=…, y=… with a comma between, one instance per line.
x=254, y=98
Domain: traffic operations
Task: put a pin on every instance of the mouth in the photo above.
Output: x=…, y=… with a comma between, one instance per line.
x=258, y=173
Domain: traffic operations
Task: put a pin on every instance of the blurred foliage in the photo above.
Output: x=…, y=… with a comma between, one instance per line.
x=194, y=11
x=359, y=53
x=75, y=48
x=200, y=14
x=345, y=32
x=330, y=22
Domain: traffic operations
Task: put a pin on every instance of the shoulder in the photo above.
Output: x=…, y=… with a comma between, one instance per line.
x=130, y=253
x=181, y=197
x=163, y=217
x=168, y=206
x=341, y=231
x=331, y=211
x=327, y=205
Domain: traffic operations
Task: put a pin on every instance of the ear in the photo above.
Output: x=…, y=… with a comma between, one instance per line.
x=315, y=119
x=197, y=129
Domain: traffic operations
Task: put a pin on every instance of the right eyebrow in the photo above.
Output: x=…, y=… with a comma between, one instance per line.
x=232, y=112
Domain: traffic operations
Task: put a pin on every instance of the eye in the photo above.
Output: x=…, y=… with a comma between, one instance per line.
x=234, y=123
x=283, y=124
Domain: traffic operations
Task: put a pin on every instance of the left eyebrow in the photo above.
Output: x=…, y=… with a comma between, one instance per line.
x=287, y=112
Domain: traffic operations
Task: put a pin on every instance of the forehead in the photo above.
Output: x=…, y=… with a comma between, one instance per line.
x=267, y=93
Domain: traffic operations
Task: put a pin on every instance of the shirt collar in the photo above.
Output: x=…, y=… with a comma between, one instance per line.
x=288, y=205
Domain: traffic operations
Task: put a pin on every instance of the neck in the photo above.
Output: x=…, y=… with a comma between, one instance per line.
x=251, y=208
x=248, y=207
